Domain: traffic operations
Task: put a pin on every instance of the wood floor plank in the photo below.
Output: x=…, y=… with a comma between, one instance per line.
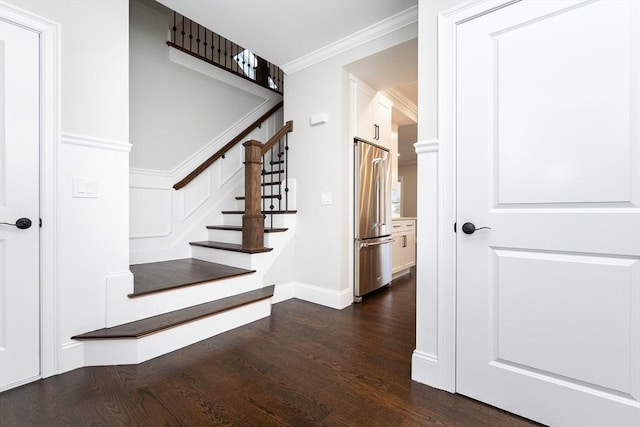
x=306, y=365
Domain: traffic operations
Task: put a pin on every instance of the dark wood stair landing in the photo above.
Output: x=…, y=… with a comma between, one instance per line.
x=162, y=276
x=150, y=325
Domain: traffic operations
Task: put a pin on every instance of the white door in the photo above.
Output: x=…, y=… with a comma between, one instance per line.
x=548, y=157
x=19, y=198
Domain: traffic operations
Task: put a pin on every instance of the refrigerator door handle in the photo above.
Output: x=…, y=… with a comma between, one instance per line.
x=368, y=245
x=378, y=189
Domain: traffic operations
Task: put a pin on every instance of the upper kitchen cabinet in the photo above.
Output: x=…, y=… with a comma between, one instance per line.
x=372, y=120
x=373, y=115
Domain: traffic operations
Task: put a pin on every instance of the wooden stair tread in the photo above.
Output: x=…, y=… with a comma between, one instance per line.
x=166, y=275
x=239, y=228
x=264, y=212
x=235, y=247
x=150, y=325
x=267, y=196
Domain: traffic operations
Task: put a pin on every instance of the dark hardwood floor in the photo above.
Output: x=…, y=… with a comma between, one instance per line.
x=305, y=365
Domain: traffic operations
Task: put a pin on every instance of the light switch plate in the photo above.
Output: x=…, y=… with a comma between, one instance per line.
x=86, y=188
x=325, y=198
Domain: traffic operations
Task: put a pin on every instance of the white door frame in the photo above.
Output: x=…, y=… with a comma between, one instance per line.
x=434, y=359
x=49, y=143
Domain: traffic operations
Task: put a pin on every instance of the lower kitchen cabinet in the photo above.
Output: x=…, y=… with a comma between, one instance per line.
x=403, y=250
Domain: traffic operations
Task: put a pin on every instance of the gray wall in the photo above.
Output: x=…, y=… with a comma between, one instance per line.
x=174, y=111
x=321, y=161
x=407, y=169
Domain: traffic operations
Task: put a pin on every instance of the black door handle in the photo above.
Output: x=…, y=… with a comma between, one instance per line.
x=21, y=223
x=469, y=228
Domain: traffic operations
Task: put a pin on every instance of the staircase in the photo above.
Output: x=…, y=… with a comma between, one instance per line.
x=172, y=304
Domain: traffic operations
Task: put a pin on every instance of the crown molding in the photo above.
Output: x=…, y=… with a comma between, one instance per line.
x=379, y=29
x=403, y=104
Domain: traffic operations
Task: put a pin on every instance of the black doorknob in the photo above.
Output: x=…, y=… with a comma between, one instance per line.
x=21, y=223
x=470, y=228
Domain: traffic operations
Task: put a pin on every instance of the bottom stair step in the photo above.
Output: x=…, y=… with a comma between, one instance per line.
x=161, y=322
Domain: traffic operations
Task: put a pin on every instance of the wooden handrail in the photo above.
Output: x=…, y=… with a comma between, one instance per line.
x=197, y=171
x=288, y=127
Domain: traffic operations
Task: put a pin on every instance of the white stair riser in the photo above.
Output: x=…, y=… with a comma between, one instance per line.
x=133, y=351
x=228, y=236
x=122, y=309
x=279, y=220
x=232, y=236
x=277, y=205
x=232, y=258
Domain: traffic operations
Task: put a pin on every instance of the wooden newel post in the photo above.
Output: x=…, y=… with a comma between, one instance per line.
x=253, y=219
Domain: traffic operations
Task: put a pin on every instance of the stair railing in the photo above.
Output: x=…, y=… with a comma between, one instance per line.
x=195, y=40
x=268, y=160
x=221, y=152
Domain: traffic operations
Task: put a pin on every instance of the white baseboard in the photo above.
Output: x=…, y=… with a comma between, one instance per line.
x=425, y=369
x=283, y=292
x=315, y=294
x=71, y=357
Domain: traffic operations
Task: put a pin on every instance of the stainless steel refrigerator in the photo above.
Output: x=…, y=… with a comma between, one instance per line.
x=372, y=218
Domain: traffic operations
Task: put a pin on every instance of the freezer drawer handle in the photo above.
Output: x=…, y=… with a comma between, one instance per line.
x=367, y=245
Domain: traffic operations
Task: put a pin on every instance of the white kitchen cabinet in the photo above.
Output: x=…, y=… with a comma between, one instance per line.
x=373, y=122
x=364, y=120
x=403, y=250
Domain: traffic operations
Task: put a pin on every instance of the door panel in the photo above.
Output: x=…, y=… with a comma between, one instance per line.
x=19, y=197
x=548, y=156
x=583, y=75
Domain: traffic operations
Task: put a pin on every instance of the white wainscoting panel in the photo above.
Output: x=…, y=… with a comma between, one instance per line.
x=144, y=200
x=197, y=193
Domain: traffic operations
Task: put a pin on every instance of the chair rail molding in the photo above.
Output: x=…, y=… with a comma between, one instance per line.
x=98, y=143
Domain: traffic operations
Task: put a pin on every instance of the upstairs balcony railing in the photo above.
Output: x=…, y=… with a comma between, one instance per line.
x=194, y=39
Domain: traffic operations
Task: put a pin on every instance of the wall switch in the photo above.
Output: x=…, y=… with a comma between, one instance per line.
x=85, y=188
x=325, y=198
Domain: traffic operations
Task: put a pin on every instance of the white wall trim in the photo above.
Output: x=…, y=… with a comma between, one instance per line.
x=431, y=146
x=437, y=331
x=49, y=145
x=315, y=294
x=424, y=367
x=283, y=292
x=98, y=143
x=379, y=29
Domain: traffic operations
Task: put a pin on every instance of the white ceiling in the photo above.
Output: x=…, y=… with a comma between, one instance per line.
x=282, y=31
